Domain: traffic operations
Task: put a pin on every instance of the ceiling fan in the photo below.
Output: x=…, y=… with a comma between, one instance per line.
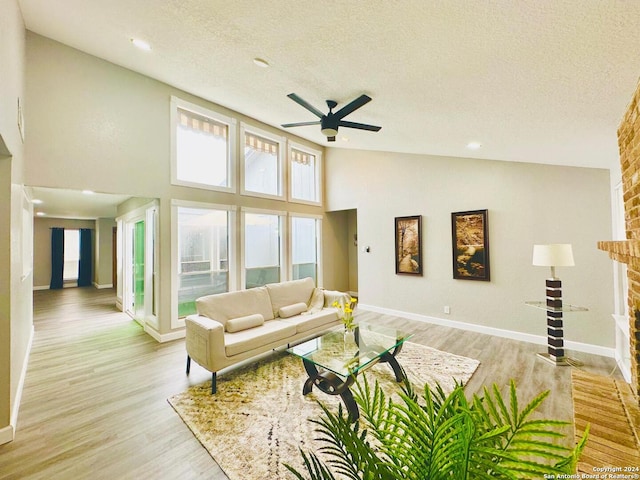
x=330, y=122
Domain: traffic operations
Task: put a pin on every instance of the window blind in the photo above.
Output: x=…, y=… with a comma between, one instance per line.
x=302, y=157
x=260, y=144
x=202, y=124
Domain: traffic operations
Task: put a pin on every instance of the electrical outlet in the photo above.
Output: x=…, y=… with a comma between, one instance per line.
x=447, y=309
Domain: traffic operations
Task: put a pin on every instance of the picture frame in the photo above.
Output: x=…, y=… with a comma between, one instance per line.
x=408, y=252
x=470, y=245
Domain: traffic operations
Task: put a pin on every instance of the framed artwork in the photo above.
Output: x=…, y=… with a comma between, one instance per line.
x=470, y=243
x=408, y=232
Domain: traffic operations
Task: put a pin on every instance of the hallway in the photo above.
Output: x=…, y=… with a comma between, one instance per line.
x=94, y=402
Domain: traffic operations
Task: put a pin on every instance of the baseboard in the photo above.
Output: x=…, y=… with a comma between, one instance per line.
x=7, y=434
x=496, y=332
x=626, y=371
x=164, y=337
x=106, y=285
x=353, y=293
x=41, y=287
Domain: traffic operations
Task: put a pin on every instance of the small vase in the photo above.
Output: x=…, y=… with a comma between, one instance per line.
x=349, y=337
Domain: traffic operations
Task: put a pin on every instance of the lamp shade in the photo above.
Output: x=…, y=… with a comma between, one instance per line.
x=553, y=255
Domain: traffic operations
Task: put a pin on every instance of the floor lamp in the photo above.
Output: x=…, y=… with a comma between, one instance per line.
x=554, y=255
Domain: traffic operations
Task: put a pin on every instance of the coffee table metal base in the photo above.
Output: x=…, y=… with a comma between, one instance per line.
x=332, y=384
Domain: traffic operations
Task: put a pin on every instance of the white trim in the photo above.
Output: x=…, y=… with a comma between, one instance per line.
x=165, y=337
x=318, y=173
x=7, y=434
x=496, y=332
x=99, y=286
x=231, y=122
x=41, y=287
x=282, y=153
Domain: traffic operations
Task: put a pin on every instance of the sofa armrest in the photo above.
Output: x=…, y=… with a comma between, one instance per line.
x=205, y=342
x=331, y=296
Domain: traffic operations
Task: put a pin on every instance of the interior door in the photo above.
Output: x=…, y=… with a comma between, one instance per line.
x=138, y=270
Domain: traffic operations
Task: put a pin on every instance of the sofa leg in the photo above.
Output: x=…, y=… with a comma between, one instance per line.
x=214, y=387
x=188, y=364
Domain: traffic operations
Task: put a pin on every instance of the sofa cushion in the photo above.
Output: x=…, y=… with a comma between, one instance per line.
x=243, y=323
x=305, y=323
x=292, y=310
x=224, y=306
x=288, y=293
x=272, y=331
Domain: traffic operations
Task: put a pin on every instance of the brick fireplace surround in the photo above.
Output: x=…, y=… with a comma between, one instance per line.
x=628, y=251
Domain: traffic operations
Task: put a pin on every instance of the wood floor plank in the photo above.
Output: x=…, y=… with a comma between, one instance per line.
x=94, y=401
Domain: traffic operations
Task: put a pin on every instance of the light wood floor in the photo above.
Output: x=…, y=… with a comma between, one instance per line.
x=94, y=402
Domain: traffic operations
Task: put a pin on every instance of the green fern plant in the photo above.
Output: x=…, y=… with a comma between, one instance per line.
x=439, y=436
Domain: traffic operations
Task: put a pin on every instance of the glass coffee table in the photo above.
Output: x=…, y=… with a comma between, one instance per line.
x=334, y=360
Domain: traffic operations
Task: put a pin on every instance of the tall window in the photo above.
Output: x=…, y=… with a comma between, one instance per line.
x=304, y=247
x=203, y=143
x=203, y=255
x=71, y=254
x=262, y=249
x=262, y=165
x=305, y=177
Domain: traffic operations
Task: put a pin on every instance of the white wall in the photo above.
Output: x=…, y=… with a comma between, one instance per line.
x=527, y=204
x=16, y=313
x=94, y=125
x=103, y=274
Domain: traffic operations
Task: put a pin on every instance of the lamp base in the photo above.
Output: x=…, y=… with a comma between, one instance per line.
x=560, y=361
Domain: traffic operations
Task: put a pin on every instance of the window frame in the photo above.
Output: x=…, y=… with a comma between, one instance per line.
x=318, y=173
x=231, y=210
x=281, y=141
x=282, y=237
x=318, y=219
x=178, y=103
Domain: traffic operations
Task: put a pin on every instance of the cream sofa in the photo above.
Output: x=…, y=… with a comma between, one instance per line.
x=231, y=327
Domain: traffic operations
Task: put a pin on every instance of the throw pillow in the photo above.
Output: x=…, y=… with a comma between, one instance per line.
x=291, y=310
x=244, y=323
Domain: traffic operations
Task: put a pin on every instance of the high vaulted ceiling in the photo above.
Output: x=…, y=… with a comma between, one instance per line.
x=543, y=81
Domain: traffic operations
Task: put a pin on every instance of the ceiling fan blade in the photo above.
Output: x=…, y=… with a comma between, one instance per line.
x=361, y=126
x=300, y=124
x=354, y=105
x=331, y=139
x=306, y=105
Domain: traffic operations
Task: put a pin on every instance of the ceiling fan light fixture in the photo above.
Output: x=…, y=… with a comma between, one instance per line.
x=329, y=132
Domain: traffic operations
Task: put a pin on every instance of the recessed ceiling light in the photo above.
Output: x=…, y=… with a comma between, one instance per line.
x=261, y=62
x=88, y=192
x=474, y=145
x=36, y=201
x=40, y=214
x=141, y=44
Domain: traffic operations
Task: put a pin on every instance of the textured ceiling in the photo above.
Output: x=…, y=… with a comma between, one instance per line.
x=543, y=81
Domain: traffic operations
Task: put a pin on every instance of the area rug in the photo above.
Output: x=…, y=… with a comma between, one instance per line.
x=259, y=418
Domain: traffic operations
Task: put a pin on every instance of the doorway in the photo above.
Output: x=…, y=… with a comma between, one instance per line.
x=138, y=260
